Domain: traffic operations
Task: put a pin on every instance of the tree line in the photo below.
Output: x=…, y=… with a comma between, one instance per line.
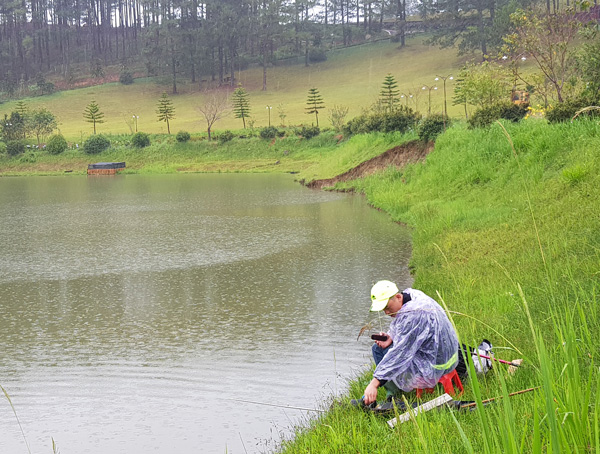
x=212, y=39
x=187, y=38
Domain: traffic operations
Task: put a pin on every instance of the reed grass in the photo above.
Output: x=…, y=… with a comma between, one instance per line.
x=7, y=396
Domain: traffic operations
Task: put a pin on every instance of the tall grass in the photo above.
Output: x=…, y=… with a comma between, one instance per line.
x=505, y=239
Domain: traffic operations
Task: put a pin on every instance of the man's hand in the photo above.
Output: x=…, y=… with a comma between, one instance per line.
x=371, y=392
x=386, y=343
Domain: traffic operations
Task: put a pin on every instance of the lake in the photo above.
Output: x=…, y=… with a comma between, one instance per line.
x=138, y=311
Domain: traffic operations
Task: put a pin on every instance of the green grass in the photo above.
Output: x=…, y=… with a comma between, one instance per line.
x=166, y=155
x=324, y=156
x=350, y=77
x=510, y=242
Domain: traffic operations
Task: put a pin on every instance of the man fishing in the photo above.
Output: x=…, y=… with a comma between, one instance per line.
x=420, y=347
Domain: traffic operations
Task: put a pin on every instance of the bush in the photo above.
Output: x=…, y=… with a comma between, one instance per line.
x=432, y=126
x=140, y=140
x=56, y=144
x=15, y=147
x=401, y=119
x=363, y=124
x=182, y=136
x=512, y=112
x=2, y=147
x=28, y=158
x=225, y=136
x=485, y=116
x=270, y=132
x=564, y=111
x=308, y=132
x=126, y=78
x=96, y=144
x=317, y=55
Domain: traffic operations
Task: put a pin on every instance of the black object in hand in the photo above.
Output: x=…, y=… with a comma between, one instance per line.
x=379, y=337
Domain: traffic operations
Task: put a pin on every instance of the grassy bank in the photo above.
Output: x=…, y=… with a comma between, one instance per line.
x=321, y=155
x=510, y=241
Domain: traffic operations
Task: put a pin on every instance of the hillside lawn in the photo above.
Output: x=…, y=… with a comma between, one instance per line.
x=351, y=77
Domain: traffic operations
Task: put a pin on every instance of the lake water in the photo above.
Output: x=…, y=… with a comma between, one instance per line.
x=135, y=310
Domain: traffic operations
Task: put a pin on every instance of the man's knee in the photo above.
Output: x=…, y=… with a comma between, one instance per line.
x=378, y=353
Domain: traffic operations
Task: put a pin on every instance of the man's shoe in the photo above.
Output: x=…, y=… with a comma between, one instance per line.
x=360, y=403
x=389, y=404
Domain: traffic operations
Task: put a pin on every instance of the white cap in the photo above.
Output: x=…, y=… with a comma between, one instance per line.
x=381, y=293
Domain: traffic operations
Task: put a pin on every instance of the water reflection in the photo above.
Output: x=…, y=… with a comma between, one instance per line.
x=134, y=307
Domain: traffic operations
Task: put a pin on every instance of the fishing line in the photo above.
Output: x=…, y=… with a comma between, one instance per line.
x=291, y=407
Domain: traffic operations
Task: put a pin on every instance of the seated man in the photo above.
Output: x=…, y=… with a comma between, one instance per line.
x=420, y=347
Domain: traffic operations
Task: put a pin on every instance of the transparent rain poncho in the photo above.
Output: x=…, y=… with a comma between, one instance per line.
x=425, y=345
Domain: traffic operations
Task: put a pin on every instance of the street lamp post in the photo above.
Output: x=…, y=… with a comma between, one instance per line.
x=406, y=96
x=449, y=77
x=269, y=109
x=429, y=88
x=135, y=120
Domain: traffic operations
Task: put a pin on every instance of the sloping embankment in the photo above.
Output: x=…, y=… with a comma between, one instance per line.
x=398, y=156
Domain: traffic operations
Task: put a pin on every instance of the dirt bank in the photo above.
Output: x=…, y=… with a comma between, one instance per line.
x=398, y=157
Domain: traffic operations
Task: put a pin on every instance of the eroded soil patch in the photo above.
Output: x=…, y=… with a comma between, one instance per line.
x=398, y=156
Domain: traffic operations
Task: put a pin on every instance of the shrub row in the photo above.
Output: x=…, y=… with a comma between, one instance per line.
x=402, y=119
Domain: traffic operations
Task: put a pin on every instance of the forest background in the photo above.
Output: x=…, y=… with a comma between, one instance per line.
x=47, y=46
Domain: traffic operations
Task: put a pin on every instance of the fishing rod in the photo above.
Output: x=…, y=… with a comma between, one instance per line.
x=499, y=360
x=446, y=399
x=492, y=399
x=291, y=407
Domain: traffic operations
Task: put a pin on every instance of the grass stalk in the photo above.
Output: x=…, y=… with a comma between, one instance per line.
x=16, y=417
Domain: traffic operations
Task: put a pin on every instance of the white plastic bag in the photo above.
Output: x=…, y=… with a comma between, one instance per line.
x=483, y=365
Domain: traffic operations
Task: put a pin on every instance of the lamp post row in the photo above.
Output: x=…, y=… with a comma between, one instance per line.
x=429, y=88
x=449, y=77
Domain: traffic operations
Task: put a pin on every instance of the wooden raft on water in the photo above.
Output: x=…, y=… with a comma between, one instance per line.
x=105, y=168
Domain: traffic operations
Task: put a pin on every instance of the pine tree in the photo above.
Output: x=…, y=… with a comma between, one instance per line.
x=93, y=115
x=22, y=109
x=165, y=110
x=389, y=93
x=461, y=95
x=314, y=103
x=241, y=104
